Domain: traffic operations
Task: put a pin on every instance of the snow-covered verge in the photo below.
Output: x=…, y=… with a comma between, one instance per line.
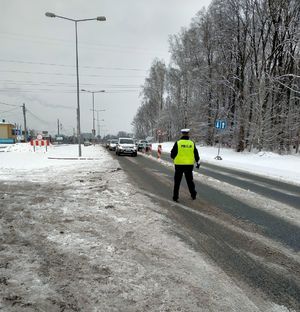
x=281, y=167
x=77, y=236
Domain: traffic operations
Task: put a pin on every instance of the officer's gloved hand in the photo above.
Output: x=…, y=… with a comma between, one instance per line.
x=198, y=165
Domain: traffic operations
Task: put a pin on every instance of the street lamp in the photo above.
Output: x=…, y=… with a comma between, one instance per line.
x=99, y=18
x=93, y=109
x=98, y=120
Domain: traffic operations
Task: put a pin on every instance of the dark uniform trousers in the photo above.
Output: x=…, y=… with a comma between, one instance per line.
x=187, y=170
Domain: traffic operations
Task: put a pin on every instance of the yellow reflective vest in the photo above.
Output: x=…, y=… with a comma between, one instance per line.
x=185, y=155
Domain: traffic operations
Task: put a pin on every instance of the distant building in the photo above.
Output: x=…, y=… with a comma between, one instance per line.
x=7, y=133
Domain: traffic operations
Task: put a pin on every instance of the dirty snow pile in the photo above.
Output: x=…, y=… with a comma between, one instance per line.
x=77, y=236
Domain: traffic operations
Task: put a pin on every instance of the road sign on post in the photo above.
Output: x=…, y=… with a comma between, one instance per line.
x=220, y=125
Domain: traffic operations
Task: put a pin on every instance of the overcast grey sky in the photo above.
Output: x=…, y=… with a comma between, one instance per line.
x=37, y=58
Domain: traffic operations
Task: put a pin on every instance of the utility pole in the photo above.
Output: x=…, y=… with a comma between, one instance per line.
x=104, y=130
x=94, y=131
x=25, y=128
x=57, y=127
x=98, y=121
x=98, y=124
x=93, y=109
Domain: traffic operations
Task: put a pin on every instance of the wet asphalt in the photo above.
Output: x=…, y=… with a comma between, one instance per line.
x=285, y=193
x=228, y=248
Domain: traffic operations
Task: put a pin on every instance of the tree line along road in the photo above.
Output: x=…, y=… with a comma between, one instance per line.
x=256, y=247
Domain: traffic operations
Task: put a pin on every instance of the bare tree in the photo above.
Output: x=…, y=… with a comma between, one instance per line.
x=239, y=60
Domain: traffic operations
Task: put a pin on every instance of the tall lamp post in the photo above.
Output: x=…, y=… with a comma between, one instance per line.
x=76, y=21
x=98, y=120
x=93, y=109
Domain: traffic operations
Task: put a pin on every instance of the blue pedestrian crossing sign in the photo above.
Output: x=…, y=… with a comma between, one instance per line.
x=220, y=124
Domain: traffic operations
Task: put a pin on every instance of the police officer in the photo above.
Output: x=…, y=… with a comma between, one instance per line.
x=185, y=154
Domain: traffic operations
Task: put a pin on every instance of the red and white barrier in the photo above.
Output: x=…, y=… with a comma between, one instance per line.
x=35, y=143
x=159, y=150
x=39, y=143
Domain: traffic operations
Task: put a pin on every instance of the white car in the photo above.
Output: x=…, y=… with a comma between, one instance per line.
x=113, y=144
x=126, y=146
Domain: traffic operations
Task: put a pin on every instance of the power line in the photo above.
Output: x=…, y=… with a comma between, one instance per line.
x=42, y=83
x=15, y=90
x=8, y=104
x=123, y=91
x=64, y=84
x=38, y=118
x=96, y=45
x=10, y=110
x=62, y=74
x=72, y=66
